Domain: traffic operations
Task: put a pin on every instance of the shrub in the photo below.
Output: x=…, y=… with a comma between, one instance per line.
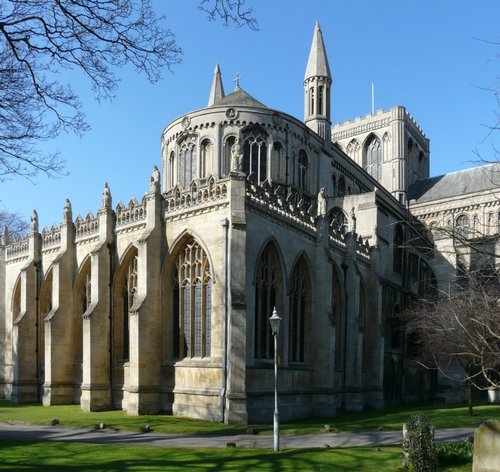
x=449, y=454
x=418, y=444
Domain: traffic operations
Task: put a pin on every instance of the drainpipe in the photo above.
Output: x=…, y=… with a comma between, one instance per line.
x=38, y=266
x=111, y=247
x=225, y=224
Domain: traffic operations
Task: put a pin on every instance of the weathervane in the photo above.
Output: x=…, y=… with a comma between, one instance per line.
x=237, y=80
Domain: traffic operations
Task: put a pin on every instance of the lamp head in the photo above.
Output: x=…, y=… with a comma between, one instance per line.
x=275, y=321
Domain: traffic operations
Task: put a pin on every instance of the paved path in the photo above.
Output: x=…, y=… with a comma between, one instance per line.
x=110, y=436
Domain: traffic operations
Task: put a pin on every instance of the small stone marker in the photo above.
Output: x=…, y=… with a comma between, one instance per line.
x=487, y=447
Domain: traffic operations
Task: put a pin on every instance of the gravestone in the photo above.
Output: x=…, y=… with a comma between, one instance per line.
x=487, y=447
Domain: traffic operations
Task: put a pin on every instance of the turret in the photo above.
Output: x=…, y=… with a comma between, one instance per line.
x=317, y=83
x=217, y=90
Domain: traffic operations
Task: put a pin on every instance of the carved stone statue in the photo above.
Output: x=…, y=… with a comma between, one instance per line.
x=321, y=202
x=154, y=181
x=236, y=157
x=67, y=212
x=34, y=222
x=106, y=198
x=353, y=217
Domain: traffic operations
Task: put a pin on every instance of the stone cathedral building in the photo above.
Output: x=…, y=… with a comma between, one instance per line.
x=162, y=304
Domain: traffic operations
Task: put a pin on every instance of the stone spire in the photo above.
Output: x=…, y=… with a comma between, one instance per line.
x=217, y=90
x=317, y=65
x=317, y=83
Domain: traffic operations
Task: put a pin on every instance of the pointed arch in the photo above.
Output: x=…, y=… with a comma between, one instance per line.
x=255, y=152
x=206, y=153
x=373, y=157
x=124, y=293
x=269, y=290
x=299, y=310
x=352, y=150
x=303, y=171
x=278, y=162
x=190, y=275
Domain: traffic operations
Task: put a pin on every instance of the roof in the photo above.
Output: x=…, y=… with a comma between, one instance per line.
x=239, y=98
x=317, y=65
x=455, y=184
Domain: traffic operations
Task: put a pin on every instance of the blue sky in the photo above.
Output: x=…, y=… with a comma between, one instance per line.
x=431, y=56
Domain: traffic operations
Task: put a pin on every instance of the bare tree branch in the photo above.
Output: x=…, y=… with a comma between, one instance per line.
x=230, y=11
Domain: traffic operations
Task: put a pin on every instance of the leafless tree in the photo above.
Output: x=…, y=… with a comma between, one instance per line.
x=460, y=328
x=14, y=223
x=41, y=38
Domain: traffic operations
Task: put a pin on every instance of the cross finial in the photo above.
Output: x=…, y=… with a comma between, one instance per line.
x=237, y=80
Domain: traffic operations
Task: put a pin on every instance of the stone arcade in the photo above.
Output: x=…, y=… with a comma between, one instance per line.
x=163, y=304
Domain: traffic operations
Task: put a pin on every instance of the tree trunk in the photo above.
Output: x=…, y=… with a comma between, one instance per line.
x=469, y=396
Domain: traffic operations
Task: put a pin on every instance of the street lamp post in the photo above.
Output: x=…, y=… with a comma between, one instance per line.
x=275, y=321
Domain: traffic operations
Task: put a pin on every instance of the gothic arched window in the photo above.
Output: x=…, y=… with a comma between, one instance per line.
x=129, y=290
x=277, y=162
x=374, y=157
x=187, y=161
x=300, y=300
x=303, y=173
x=268, y=294
x=171, y=169
x=398, y=251
x=192, y=302
x=205, y=157
x=311, y=102
x=341, y=186
x=255, y=154
x=338, y=219
x=463, y=226
x=86, y=289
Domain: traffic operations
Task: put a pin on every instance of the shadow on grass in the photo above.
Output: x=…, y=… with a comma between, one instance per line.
x=41, y=456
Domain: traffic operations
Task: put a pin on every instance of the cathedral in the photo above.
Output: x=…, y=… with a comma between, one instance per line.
x=163, y=304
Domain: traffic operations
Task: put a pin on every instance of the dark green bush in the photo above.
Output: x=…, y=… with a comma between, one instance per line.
x=418, y=444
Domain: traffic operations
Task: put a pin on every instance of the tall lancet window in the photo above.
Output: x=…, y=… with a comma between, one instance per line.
x=300, y=299
x=320, y=100
x=187, y=161
x=192, y=284
x=268, y=294
x=205, y=157
x=87, y=290
x=255, y=153
x=374, y=158
x=171, y=169
x=303, y=173
x=129, y=289
x=311, y=101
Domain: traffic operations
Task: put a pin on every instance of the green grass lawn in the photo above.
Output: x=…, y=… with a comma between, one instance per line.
x=72, y=457
x=442, y=416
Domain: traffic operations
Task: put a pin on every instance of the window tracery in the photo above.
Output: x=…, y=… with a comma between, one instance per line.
x=192, y=282
x=300, y=297
x=303, y=171
x=268, y=294
x=462, y=226
x=373, y=162
x=187, y=161
x=255, y=154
